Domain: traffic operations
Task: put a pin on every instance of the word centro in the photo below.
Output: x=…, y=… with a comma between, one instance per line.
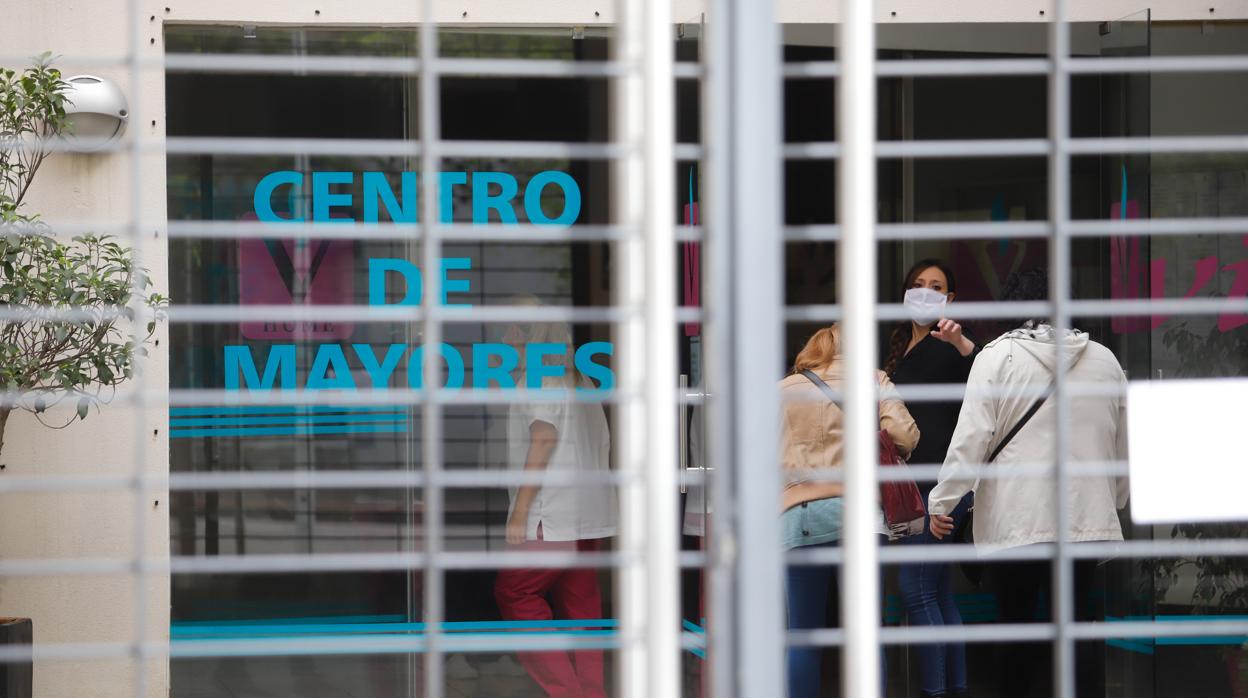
x=491, y=191
x=493, y=365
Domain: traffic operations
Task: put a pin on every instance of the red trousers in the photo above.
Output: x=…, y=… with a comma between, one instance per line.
x=544, y=594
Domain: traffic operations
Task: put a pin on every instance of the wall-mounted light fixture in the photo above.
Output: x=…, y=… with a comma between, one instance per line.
x=96, y=111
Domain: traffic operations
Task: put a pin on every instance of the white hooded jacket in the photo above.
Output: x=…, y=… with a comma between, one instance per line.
x=1013, y=510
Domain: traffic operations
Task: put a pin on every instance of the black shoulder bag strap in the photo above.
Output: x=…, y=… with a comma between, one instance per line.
x=814, y=378
x=1031, y=412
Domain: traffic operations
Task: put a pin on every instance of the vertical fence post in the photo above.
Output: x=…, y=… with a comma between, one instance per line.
x=650, y=590
x=1059, y=293
x=662, y=544
x=860, y=610
x=431, y=410
x=744, y=243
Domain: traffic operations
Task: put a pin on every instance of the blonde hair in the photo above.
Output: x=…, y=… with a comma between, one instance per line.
x=821, y=349
x=548, y=333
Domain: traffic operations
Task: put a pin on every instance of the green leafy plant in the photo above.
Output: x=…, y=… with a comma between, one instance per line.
x=1221, y=582
x=32, y=114
x=70, y=307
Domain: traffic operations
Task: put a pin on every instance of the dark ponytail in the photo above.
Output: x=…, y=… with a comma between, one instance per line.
x=897, y=343
x=900, y=338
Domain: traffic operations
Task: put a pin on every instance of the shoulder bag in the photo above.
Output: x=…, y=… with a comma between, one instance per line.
x=904, y=513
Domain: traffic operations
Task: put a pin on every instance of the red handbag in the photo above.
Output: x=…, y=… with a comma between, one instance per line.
x=904, y=512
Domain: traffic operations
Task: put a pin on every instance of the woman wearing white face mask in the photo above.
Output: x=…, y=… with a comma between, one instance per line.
x=932, y=349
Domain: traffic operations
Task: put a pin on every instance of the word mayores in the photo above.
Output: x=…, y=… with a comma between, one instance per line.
x=492, y=364
x=491, y=191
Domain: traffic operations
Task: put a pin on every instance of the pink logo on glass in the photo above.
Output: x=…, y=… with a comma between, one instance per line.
x=1133, y=277
x=295, y=272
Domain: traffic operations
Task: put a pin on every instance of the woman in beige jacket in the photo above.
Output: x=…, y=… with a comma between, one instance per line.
x=811, y=504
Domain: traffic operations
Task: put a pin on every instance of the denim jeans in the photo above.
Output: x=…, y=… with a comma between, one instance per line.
x=927, y=592
x=807, y=588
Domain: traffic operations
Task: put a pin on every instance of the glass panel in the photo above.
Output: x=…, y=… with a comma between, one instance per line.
x=371, y=267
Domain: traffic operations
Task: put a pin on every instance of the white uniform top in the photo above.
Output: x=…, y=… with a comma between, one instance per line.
x=566, y=512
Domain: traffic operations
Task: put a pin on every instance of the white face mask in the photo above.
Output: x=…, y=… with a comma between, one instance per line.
x=925, y=305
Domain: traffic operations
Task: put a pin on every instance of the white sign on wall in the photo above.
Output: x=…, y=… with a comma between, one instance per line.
x=1187, y=460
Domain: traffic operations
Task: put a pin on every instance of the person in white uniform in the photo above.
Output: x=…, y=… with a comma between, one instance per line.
x=561, y=435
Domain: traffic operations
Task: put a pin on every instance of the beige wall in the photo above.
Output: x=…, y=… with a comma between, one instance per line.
x=97, y=189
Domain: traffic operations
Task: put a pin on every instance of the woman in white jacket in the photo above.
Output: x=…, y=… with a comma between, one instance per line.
x=1019, y=508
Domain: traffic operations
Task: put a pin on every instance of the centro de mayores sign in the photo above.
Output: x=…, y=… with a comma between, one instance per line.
x=493, y=364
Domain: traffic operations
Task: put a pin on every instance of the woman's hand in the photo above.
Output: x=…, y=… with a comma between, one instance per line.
x=941, y=526
x=517, y=524
x=947, y=330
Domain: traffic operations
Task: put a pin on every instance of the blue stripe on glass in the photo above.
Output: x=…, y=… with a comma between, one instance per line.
x=296, y=626
x=348, y=636
x=349, y=645
x=278, y=409
x=1171, y=641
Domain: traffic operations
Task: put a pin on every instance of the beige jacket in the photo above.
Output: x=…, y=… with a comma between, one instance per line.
x=811, y=432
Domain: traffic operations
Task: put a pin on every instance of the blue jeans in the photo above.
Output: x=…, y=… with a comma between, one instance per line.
x=807, y=589
x=927, y=592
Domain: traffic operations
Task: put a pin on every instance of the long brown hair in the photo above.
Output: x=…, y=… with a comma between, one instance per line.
x=820, y=350
x=902, y=333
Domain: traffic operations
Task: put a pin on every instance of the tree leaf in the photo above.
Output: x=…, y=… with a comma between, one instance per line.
x=83, y=404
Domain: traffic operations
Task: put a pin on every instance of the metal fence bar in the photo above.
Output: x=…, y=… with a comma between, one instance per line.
x=1011, y=632
x=725, y=194
x=1128, y=145
x=430, y=129
x=743, y=122
x=445, y=396
x=383, y=479
x=970, y=230
x=1158, y=64
x=300, y=65
x=1035, y=632
x=962, y=67
x=1006, y=311
x=564, y=150
x=530, y=233
x=629, y=102
x=1229, y=225
x=397, y=643
x=661, y=512
x=142, y=315
x=311, y=562
x=1059, y=292
x=537, y=150
x=518, y=233
x=985, y=147
x=856, y=200
x=361, y=64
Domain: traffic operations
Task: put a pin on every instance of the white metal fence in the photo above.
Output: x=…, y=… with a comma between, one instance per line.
x=745, y=314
